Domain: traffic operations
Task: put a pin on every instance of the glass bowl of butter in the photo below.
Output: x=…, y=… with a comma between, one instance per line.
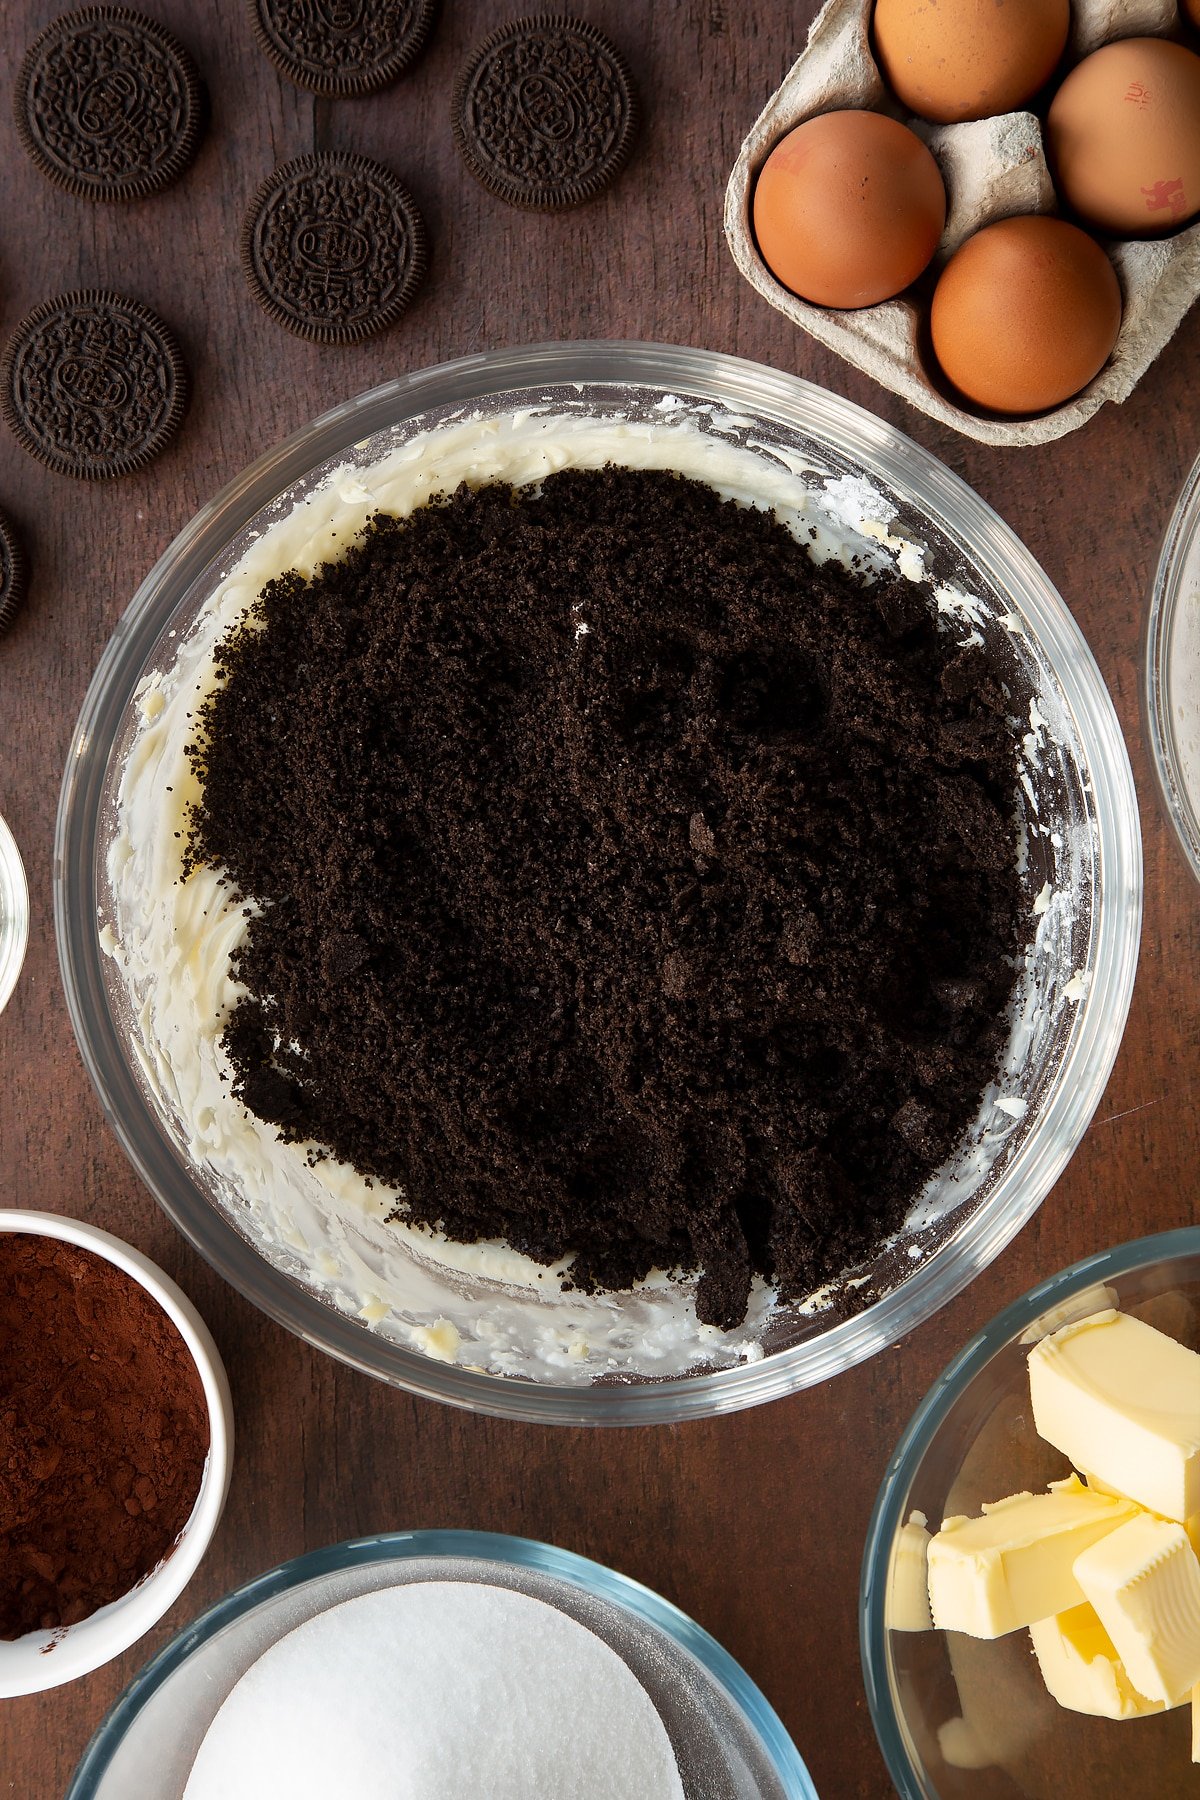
x=1030, y=1604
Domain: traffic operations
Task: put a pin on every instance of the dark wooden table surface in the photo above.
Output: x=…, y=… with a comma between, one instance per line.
x=753, y=1524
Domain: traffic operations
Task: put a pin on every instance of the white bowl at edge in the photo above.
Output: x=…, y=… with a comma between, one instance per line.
x=14, y=914
x=47, y=1659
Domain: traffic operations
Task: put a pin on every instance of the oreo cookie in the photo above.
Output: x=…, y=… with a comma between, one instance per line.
x=14, y=574
x=334, y=247
x=109, y=104
x=341, y=48
x=93, y=384
x=544, y=112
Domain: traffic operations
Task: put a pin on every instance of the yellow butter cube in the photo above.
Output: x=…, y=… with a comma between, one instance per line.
x=1144, y=1581
x=1122, y=1400
x=1081, y=1668
x=907, y=1606
x=1193, y=1531
x=1015, y=1564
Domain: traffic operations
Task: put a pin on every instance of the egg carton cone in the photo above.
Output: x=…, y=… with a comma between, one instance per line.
x=992, y=168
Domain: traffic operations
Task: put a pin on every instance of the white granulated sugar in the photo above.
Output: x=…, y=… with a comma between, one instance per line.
x=434, y=1691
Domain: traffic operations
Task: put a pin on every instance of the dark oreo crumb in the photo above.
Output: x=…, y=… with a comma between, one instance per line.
x=544, y=112
x=93, y=384
x=109, y=104
x=14, y=574
x=681, y=940
x=342, y=48
x=334, y=247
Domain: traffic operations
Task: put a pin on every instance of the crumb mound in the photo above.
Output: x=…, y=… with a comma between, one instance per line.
x=631, y=887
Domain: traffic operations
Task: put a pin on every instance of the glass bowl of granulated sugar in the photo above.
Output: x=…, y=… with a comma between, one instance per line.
x=440, y=1663
x=578, y=949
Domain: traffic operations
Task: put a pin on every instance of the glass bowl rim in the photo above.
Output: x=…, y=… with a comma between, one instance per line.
x=484, y=1546
x=927, y=483
x=918, y=1435
x=1183, y=529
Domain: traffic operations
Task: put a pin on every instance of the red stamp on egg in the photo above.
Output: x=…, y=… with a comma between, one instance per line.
x=1166, y=196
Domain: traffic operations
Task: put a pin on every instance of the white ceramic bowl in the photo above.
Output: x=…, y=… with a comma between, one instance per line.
x=14, y=914
x=47, y=1659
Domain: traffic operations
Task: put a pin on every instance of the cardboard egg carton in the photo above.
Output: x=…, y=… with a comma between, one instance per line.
x=992, y=168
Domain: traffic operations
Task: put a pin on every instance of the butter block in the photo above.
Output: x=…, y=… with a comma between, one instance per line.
x=907, y=1606
x=1123, y=1400
x=1144, y=1581
x=1015, y=1564
x=1082, y=1670
x=1097, y=1298
x=1102, y=1487
x=1193, y=1534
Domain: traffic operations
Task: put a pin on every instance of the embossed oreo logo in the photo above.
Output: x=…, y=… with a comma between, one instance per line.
x=547, y=107
x=340, y=15
x=110, y=104
x=89, y=378
x=329, y=246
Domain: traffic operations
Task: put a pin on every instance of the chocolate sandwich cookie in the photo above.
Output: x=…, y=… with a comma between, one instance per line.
x=341, y=48
x=109, y=104
x=544, y=112
x=93, y=384
x=14, y=574
x=334, y=247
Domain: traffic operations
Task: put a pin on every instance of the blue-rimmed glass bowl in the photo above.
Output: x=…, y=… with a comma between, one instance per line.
x=728, y=1742
x=962, y=1719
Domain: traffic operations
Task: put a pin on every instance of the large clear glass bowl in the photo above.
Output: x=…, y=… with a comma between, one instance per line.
x=1080, y=829
x=728, y=1742
x=1171, y=673
x=941, y=1701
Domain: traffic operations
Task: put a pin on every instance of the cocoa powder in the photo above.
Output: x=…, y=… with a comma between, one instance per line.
x=103, y=1433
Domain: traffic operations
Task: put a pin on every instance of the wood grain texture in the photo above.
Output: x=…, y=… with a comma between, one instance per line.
x=754, y=1524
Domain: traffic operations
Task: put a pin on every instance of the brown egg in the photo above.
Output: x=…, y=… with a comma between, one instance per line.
x=968, y=59
x=1123, y=133
x=1190, y=10
x=848, y=208
x=1024, y=314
